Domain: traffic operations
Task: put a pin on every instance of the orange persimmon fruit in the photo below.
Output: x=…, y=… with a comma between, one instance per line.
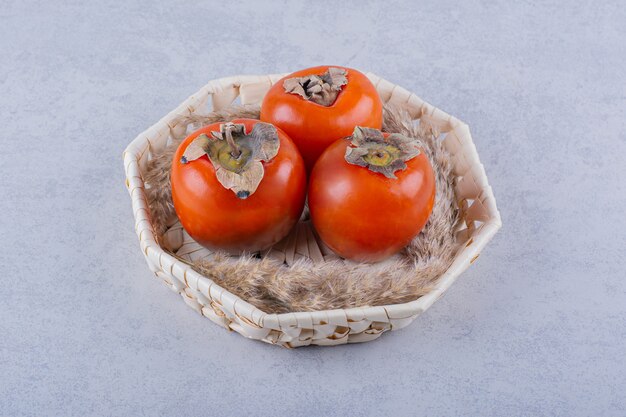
x=316, y=106
x=370, y=194
x=238, y=186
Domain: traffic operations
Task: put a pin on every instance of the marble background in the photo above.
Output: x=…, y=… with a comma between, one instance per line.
x=536, y=327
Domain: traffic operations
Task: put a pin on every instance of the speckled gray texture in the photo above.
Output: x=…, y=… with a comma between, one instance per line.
x=536, y=327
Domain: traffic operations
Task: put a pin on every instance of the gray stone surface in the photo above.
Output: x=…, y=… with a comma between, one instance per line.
x=536, y=327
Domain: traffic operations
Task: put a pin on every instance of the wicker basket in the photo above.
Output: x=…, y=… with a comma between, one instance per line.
x=332, y=327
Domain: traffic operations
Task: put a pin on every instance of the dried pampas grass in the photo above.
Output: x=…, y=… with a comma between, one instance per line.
x=275, y=287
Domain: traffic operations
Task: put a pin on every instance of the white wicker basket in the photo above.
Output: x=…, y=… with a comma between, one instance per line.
x=331, y=327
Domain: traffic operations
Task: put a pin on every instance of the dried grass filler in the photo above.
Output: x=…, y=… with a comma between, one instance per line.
x=278, y=285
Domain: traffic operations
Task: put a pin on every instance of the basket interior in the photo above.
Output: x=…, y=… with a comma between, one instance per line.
x=302, y=242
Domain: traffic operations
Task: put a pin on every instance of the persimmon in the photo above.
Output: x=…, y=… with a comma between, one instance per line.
x=238, y=186
x=370, y=194
x=319, y=105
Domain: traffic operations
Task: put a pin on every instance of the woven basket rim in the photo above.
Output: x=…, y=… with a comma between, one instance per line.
x=134, y=151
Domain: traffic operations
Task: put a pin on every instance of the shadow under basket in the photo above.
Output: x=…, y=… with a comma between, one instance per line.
x=480, y=218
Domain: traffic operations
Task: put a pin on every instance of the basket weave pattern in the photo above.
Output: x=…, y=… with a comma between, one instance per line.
x=478, y=206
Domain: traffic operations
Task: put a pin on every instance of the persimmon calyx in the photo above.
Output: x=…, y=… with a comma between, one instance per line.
x=321, y=89
x=237, y=155
x=370, y=149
